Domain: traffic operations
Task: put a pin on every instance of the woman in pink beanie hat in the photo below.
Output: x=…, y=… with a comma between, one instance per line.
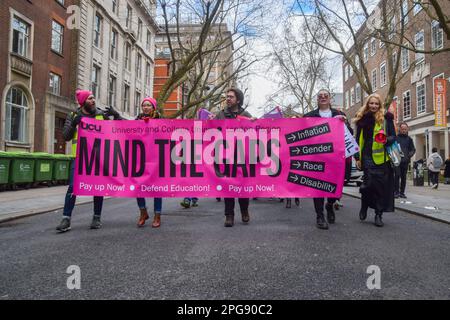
x=149, y=111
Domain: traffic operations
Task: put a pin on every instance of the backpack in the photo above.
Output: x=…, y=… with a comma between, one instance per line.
x=437, y=162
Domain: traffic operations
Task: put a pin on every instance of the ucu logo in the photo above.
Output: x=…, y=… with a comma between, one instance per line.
x=91, y=127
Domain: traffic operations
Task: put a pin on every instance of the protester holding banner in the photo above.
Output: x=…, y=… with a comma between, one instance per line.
x=235, y=101
x=375, y=131
x=87, y=109
x=149, y=112
x=325, y=110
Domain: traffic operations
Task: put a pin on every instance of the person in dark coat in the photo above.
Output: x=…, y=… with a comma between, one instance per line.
x=447, y=171
x=235, y=101
x=408, y=149
x=375, y=131
x=325, y=110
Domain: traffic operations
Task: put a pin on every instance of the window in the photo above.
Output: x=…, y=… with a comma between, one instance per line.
x=147, y=74
x=392, y=27
x=128, y=56
x=139, y=66
x=352, y=96
x=128, y=16
x=373, y=47
x=417, y=6
x=112, y=91
x=114, y=6
x=97, y=31
x=137, y=103
x=149, y=40
x=437, y=36
x=381, y=44
x=126, y=98
x=405, y=59
x=394, y=59
x=357, y=62
x=420, y=45
x=55, y=84
x=421, y=97
x=383, y=74
x=114, y=38
x=21, y=37
x=405, y=11
x=345, y=73
x=16, y=115
x=57, y=37
x=139, y=32
x=358, y=93
x=61, y=2
x=374, y=80
x=350, y=71
x=366, y=52
x=407, y=104
x=347, y=100
x=95, y=81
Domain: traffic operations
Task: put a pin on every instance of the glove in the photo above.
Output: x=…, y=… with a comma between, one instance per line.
x=76, y=120
x=110, y=111
x=146, y=119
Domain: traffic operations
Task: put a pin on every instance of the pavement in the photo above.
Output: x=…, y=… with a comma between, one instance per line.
x=422, y=201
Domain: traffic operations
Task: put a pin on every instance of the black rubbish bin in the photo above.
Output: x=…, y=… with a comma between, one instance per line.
x=418, y=173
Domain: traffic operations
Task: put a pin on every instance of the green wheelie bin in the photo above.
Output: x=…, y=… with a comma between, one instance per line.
x=22, y=169
x=5, y=163
x=61, y=167
x=43, y=168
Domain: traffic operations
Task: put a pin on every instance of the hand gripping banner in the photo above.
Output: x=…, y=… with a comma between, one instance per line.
x=215, y=158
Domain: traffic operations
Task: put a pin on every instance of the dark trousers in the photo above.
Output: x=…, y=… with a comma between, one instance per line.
x=229, y=205
x=434, y=177
x=319, y=202
x=69, y=202
x=400, y=177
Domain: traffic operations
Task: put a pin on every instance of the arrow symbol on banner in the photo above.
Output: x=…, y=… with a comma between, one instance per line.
x=297, y=164
x=291, y=137
x=297, y=150
x=295, y=178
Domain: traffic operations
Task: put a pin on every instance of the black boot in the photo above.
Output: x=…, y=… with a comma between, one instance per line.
x=330, y=213
x=297, y=202
x=288, y=202
x=363, y=211
x=378, y=220
x=321, y=223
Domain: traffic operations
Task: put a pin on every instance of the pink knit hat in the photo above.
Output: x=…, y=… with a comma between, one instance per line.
x=151, y=100
x=82, y=96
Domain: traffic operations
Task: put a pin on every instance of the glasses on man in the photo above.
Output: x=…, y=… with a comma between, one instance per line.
x=323, y=96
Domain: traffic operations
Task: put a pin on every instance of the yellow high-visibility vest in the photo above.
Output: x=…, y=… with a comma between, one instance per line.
x=75, y=136
x=379, y=154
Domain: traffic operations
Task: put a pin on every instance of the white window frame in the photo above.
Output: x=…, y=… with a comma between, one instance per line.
x=59, y=36
x=373, y=47
x=345, y=73
x=98, y=26
x=440, y=34
x=139, y=66
x=24, y=113
x=405, y=6
x=374, y=83
x=407, y=92
x=347, y=100
x=357, y=93
x=352, y=96
x=114, y=42
x=127, y=56
x=383, y=81
x=126, y=98
x=112, y=89
x=95, y=82
x=357, y=64
x=24, y=37
x=137, y=103
x=366, y=52
x=55, y=90
x=418, y=84
x=419, y=56
x=417, y=7
x=128, y=16
x=405, y=58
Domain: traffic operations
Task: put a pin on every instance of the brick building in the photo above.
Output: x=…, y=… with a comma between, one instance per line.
x=189, y=33
x=36, y=79
x=414, y=96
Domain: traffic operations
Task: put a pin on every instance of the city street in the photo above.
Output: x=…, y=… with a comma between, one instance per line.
x=279, y=255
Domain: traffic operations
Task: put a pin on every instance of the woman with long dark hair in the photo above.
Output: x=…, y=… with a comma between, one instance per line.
x=375, y=131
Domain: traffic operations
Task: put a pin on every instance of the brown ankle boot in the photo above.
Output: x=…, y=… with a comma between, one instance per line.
x=245, y=216
x=156, y=220
x=143, y=217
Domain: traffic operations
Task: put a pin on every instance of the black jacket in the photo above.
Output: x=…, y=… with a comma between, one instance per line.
x=407, y=145
x=334, y=112
x=228, y=114
x=69, y=127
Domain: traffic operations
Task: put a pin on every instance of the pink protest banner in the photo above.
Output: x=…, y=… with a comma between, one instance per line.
x=217, y=158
